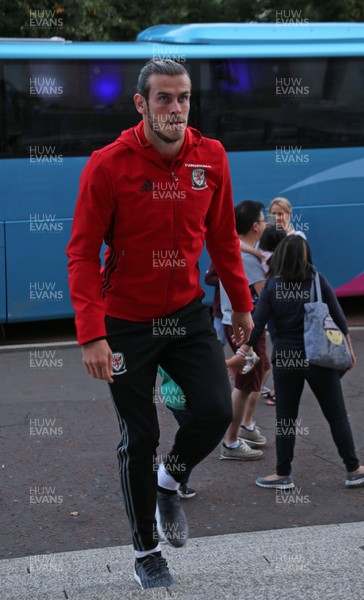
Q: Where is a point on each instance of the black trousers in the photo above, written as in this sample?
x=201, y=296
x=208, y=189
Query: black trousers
x=326, y=386
x=186, y=346
x=182, y=416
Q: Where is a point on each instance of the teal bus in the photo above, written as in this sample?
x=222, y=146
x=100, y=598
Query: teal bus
x=286, y=101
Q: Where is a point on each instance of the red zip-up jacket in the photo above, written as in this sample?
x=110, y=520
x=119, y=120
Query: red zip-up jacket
x=154, y=219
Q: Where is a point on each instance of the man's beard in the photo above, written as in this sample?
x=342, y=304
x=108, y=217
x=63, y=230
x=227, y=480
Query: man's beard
x=158, y=132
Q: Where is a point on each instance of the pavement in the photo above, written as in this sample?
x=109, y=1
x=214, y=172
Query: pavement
x=322, y=562
x=65, y=534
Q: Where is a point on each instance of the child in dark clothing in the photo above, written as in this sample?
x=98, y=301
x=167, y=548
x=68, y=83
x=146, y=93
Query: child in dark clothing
x=272, y=236
x=283, y=297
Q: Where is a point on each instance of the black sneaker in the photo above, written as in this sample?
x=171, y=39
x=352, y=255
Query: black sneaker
x=153, y=572
x=354, y=480
x=283, y=483
x=186, y=492
x=171, y=520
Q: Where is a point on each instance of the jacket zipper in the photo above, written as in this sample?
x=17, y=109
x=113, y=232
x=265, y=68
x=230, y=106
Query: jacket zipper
x=175, y=178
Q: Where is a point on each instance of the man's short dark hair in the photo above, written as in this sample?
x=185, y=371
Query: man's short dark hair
x=158, y=66
x=246, y=214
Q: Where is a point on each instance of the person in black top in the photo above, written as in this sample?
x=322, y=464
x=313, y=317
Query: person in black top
x=282, y=299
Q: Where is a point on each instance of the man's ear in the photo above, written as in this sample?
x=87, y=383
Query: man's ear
x=140, y=104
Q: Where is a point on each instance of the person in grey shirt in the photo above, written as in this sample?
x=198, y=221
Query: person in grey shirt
x=242, y=432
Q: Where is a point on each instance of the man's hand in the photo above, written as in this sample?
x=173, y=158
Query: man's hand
x=97, y=358
x=242, y=324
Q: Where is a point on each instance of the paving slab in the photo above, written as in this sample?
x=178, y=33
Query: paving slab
x=320, y=562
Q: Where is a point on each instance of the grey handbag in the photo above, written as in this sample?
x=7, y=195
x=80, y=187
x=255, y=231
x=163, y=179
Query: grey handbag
x=325, y=344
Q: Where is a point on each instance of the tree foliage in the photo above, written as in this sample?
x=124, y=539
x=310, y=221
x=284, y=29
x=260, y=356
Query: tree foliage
x=317, y=10
x=121, y=20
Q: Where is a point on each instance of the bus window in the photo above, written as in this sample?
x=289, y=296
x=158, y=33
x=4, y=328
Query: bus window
x=73, y=106
x=257, y=104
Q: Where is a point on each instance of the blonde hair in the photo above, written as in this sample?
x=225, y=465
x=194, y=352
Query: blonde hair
x=283, y=203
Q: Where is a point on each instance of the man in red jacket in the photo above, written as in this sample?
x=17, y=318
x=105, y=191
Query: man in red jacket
x=154, y=196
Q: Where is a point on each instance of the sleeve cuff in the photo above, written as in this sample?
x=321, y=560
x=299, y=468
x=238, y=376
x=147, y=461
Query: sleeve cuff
x=94, y=340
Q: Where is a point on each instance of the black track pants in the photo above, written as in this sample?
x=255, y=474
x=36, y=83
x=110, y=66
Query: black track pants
x=185, y=345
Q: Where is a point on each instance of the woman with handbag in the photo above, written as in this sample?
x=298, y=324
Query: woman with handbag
x=288, y=288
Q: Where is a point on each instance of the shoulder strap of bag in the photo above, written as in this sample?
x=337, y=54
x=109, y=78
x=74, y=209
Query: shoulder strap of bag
x=316, y=285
